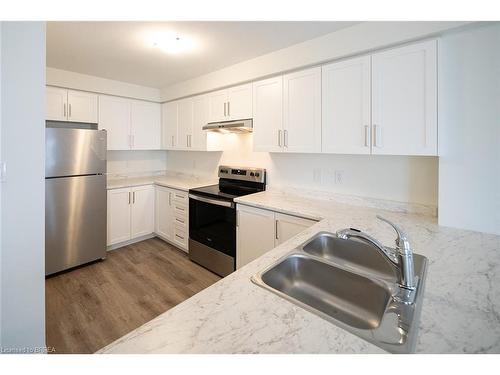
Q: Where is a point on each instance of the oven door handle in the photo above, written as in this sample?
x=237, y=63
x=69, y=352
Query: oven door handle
x=212, y=201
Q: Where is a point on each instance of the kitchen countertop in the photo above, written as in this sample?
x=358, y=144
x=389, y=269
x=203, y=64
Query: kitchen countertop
x=461, y=305
x=172, y=180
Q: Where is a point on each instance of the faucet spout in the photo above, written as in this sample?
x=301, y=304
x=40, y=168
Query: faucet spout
x=401, y=256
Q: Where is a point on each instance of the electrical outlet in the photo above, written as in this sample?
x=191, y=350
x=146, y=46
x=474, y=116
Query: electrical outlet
x=339, y=177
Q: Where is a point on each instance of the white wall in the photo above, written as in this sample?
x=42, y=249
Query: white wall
x=23, y=191
x=357, y=39
x=132, y=162
x=469, y=129
x=78, y=81
x=396, y=178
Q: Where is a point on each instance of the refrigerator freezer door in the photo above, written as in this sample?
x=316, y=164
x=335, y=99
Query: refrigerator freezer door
x=75, y=221
x=73, y=152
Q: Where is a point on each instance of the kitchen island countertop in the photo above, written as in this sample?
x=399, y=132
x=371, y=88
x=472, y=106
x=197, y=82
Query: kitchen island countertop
x=461, y=305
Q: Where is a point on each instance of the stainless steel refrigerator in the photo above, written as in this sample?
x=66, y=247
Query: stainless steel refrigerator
x=75, y=197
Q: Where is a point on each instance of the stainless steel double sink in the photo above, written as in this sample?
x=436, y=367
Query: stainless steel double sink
x=351, y=285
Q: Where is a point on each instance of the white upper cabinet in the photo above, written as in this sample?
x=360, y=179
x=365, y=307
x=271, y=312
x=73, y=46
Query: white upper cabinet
x=217, y=105
x=71, y=105
x=130, y=124
x=346, y=112
x=114, y=117
x=145, y=118
x=56, y=103
x=184, y=123
x=199, y=137
x=268, y=114
x=239, y=103
x=404, y=100
x=302, y=111
x=234, y=103
x=82, y=106
x=169, y=125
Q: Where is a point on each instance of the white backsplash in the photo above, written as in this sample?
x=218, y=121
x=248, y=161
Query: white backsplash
x=136, y=162
x=396, y=178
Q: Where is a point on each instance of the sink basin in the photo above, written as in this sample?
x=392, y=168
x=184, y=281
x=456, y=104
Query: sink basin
x=352, y=253
x=349, y=284
x=354, y=300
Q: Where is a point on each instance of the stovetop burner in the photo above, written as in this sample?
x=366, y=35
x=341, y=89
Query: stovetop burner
x=233, y=183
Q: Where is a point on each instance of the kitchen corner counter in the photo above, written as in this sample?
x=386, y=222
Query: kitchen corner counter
x=174, y=181
x=460, y=313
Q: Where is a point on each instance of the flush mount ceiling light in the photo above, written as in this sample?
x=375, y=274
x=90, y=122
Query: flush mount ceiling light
x=172, y=43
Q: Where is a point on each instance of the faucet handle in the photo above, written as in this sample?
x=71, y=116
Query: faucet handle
x=402, y=242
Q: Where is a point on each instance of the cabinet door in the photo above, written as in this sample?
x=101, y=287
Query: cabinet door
x=142, y=216
x=255, y=234
x=114, y=116
x=56, y=103
x=288, y=226
x=184, y=123
x=82, y=106
x=169, y=125
x=200, y=118
x=268, y=115
x=163, y=212
x=302, y=111
x=145, y=118
x=119, y=201
x=239, y=103
x=404, y=99
x=346, y=107
x=217, y=106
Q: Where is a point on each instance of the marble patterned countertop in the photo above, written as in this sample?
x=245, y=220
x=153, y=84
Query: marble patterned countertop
x=460, y=313
x=173, y=180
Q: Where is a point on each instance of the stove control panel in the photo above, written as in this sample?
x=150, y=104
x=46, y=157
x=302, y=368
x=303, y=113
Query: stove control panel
x=243, y=173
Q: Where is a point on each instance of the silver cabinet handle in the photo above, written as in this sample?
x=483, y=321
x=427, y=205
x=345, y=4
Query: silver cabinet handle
x=276, y=229
x=180, y=208
x=225, y=109
x=176, y=235
x=279, y=138
x=129, y=197
x=169, y=198
x=366, y=135
x=187, y=140
x=172, y=141
x=285, y=138
x=64, y=109
x=69, y=110
x=376, y=137
x=133, y=197
x=229, y=108
x=180, y=196
x=179, y=220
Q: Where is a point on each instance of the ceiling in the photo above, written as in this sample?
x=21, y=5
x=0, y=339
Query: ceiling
x=123, y=50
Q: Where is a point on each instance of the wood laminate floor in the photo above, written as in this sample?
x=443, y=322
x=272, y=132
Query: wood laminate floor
x=90, y=307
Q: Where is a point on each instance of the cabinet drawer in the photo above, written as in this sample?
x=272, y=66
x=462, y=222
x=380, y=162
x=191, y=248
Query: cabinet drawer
x=180, y=221
x=180, y=197
x=180, y=237
x=180, y=210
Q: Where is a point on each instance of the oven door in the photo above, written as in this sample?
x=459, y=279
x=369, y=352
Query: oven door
x=212, y=222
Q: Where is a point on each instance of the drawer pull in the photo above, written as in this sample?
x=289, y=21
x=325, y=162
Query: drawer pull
x=180, y=196
x=180, y=221
x=180, y=208
x=182, y=238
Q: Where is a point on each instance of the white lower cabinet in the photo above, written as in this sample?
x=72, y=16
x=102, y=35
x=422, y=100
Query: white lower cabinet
x=130, y=213
x=163, y=213
x=171, y=209
x=259, y=231
x=142, y=211
x=118, y=216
